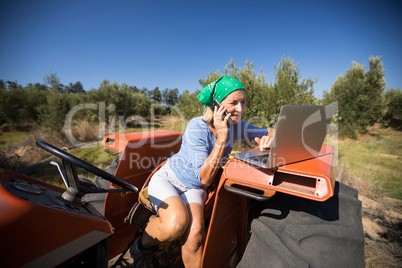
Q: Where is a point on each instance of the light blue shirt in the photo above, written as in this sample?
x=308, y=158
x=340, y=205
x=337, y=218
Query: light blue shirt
x=197, y=144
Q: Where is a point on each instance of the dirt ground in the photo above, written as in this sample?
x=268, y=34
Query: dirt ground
x=382, y=224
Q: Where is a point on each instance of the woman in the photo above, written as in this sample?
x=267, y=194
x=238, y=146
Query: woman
x=177, y=190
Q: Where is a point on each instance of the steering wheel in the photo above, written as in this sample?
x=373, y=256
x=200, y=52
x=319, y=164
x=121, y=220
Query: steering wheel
x=70, y=162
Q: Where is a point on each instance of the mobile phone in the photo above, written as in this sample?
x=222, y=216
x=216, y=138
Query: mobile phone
x=217, y=104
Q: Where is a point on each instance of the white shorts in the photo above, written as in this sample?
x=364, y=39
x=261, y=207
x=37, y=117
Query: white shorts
x=165, y=184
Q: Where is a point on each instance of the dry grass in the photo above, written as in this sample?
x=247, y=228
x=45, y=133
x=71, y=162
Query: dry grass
x=380, y=254
x=18, y=149
x=24, y=153
x=84, y=131
x=364, y=186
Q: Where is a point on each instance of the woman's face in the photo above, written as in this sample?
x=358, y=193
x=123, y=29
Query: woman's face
x=235, y=104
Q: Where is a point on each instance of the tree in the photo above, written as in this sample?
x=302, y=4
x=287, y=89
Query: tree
x=393, y=113
x=211, y=77
x=105, y=93
x=256, y=91
x=52, y=113
x=120, y=100
x=188, y=105
x=170, y=96
x=14, y=105
x=359, y=96
x=372, y=106
x=3, y=101
x=288, y=89
x=134, y=89
x=156, y=95
x=264, y=101
x=34, y=96
x=74, y=88
x=12, y=84
x=144, y=91
x=347, y=89
x=32, y=103
x=53, y=82
x=40, y=87
x=141, y=105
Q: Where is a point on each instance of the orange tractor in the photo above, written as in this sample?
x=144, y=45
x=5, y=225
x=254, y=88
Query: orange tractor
x=295, y=216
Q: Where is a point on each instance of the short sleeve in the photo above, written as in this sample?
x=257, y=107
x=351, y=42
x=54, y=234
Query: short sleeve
x=195, y=142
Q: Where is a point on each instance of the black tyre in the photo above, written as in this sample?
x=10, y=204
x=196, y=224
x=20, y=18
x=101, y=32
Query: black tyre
x=296, y=232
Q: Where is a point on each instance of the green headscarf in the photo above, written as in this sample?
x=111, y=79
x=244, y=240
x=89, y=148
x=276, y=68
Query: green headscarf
x=219, y=90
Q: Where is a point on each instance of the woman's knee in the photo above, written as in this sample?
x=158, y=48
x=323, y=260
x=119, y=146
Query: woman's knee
x=176, y=228
x=197, y=233
x=174, y=225
x=195, y=237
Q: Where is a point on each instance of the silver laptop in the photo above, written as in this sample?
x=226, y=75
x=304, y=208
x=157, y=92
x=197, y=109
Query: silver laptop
x=299, y=135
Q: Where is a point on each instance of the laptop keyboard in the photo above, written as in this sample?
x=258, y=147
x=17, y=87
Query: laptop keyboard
x=261, y=158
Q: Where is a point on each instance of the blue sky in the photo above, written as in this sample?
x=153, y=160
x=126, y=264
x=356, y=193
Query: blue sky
x=173, y=44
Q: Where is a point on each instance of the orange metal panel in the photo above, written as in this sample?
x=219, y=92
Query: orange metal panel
x=38, y=230
x=225, y=241
x=308, y=179
x=118, y=142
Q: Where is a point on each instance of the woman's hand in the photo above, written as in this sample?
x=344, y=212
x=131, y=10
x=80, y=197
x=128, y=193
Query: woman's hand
x=211, y=165
x=265, y=142
x=221, y=125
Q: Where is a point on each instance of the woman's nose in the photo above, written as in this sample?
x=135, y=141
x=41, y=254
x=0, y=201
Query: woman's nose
x=239, y=107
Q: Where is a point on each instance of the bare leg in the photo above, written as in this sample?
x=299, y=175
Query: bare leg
x=170, y=225
x=193, y=239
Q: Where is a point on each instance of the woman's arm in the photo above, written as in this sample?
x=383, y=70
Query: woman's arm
x=262, y=136
x=212, y=163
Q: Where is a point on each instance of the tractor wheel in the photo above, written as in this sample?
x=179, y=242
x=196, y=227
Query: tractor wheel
x=296, y=232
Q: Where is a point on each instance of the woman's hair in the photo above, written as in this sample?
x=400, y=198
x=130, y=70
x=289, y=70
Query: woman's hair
x=208, y=114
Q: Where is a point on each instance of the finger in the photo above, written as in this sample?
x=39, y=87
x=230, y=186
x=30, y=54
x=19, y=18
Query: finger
x=265, y=143
x=227, y=117
x=258, y=140
x=262, y=143
x=271, y=133
x=222, y=110
x=217, y=114
x=270, y=142
x=219, y=111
